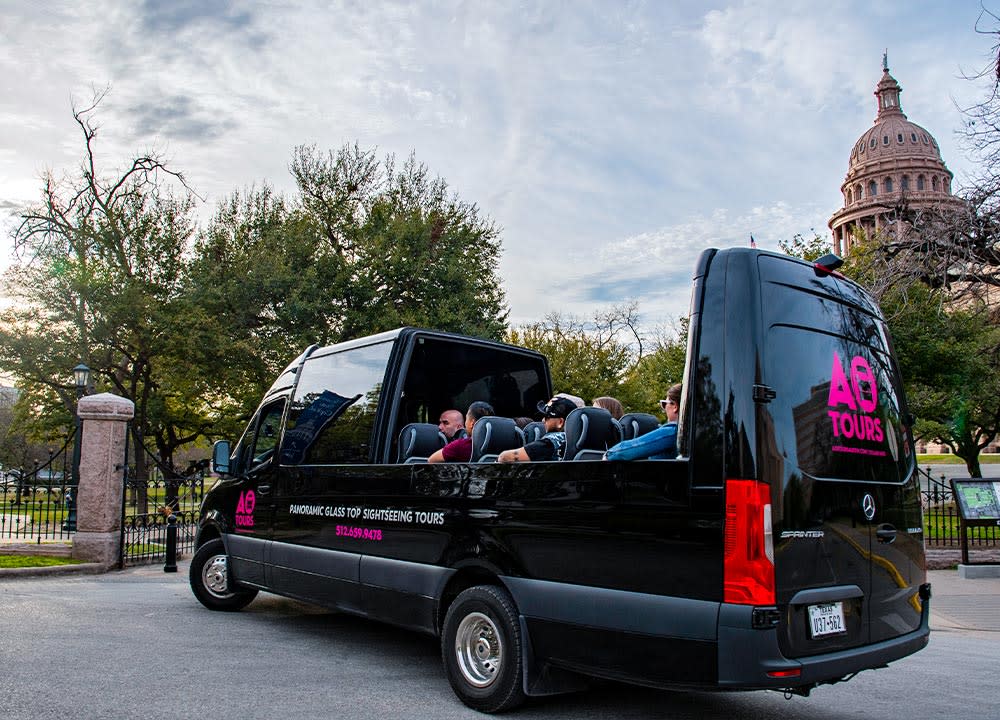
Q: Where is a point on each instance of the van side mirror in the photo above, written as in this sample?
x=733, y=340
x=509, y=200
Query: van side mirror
x=220, y=457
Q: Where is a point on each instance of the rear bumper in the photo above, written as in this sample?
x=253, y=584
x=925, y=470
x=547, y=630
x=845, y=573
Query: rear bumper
x=746, y=655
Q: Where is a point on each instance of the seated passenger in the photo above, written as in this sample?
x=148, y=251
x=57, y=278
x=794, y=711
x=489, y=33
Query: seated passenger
x=612, y=405
x=658, y=444
x=460, y=450
x=550, y=446
x=452, y=424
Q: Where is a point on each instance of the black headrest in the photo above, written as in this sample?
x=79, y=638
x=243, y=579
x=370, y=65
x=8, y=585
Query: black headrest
x=636, y=424
x=589, y=432
x=533, y=431
x=492, y=435
x=418, y=441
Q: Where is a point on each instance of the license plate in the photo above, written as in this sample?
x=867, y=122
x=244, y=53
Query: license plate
x=826, y=619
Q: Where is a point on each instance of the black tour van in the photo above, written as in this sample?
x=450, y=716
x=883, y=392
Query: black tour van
x=781, y=549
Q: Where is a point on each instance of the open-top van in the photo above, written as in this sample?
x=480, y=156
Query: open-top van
x=781, y=549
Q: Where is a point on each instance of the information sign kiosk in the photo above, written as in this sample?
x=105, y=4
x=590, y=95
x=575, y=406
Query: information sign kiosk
x=978, y=502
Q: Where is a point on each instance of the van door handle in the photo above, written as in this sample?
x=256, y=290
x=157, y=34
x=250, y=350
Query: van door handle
x=263, y=489
x=885, y=533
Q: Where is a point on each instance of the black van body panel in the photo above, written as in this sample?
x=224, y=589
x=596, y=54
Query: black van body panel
x=752, y=653
x=617, y=569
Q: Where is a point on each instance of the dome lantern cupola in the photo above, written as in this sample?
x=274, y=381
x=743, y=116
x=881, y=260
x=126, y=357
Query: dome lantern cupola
x=887, y=91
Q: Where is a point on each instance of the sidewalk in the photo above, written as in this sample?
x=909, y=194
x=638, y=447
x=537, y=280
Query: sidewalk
x=958, y=604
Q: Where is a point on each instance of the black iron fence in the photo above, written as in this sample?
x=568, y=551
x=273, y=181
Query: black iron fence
x=146, y=507
x=35, y=501
x=942, y=526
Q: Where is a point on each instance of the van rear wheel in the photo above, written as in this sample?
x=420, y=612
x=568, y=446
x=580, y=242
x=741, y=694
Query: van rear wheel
x=481, y=649
x=211, y=581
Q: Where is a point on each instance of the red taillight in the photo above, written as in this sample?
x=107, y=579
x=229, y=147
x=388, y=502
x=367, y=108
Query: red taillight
x=797, y=672
x=749, y=555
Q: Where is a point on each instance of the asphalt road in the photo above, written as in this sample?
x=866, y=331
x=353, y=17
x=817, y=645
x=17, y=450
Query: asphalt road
x=137, y=644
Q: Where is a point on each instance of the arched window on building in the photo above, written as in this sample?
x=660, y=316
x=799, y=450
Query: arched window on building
x=857, y=192
x=934, y=183
x=920, y=182
x=905, y=185
x=872, y=189
x=887, y=184
x=947, y=185
x=850, y=196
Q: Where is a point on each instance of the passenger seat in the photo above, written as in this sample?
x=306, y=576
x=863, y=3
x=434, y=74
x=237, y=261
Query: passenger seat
x=533, y=431
x=636, y=424
x=418, y=441
x=492, y=435
x=590, y=431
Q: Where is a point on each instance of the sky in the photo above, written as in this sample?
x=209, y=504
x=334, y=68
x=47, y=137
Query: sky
x=611, y=141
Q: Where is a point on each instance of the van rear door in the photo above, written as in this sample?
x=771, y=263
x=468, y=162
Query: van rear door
x=846, y=512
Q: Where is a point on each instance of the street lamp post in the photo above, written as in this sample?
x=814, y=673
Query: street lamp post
x=81, y=377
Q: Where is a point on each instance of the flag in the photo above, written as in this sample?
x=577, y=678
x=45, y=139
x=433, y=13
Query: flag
x=753, y=243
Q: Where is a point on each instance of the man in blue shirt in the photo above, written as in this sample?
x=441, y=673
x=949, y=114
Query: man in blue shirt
x=659, y=444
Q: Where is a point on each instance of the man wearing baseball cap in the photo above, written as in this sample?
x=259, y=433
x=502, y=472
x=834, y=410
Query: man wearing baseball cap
x=550, y=445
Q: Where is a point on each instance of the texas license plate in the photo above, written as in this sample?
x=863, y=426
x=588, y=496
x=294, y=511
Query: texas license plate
x=826, y=619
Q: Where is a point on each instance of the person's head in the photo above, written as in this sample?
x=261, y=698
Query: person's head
x=671, y=404
x=611, y=405
x=522, y=421
x=554, y=412
x=575, y=399
x=478, y=409
x=450, y=422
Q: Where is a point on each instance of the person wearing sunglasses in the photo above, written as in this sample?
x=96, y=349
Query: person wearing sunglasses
x=658, y=444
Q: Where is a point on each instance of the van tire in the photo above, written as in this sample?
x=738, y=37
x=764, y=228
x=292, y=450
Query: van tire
x=481, y=649
x=211, y=581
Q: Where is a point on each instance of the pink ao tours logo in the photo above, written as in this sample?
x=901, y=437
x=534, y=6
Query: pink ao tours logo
x=852, y=401
x=244, y=510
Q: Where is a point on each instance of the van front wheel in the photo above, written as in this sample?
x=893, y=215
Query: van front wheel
x=212, y=582
x=481, y=649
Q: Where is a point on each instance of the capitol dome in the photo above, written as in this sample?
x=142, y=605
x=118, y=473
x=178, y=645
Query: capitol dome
x=894, y=163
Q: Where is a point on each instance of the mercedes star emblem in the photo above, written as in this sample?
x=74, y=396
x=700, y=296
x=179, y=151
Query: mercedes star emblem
x=868, y=506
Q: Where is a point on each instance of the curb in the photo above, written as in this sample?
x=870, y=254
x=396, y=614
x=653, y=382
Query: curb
x=80, y=569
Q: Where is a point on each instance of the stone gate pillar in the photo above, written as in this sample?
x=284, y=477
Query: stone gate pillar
x=102, y=468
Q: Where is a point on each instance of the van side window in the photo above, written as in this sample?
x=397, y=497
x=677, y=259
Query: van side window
x=331, y=416
x=256, y=447
x=267, y=434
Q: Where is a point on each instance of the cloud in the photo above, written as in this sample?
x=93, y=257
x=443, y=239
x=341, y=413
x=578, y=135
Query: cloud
x=11, y=206
x=178, y=117
x=175, y=16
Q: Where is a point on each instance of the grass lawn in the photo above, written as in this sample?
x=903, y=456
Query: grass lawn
x=984, y=459
x=19, y=561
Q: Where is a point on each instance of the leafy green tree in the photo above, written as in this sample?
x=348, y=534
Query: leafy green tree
x=808, y=249
x=654, y=372
x=363, y=246
x=949, y=358
x=608, y=355
x=100, y=272
x=399, y=247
